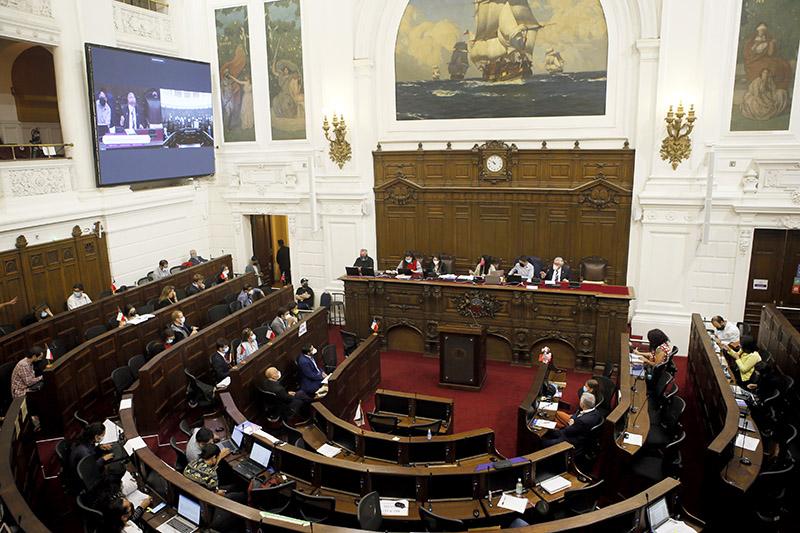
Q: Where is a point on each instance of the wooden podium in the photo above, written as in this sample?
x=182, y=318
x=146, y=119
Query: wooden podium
x=462, y=357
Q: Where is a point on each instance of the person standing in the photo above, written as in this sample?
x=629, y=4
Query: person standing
x=284, y=263
x=255, y=268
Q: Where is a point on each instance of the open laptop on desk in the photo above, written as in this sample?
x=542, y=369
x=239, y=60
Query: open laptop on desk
x=186, y=521
x=405, y=271
x=513, y=279
x=661, y=522
x=256, y=463
x=233, y=443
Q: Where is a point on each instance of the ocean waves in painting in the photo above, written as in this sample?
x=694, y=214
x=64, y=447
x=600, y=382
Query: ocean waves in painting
x=543, y=95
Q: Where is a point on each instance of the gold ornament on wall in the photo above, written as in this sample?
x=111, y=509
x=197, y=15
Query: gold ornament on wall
x=677, y=145
x=340, y=151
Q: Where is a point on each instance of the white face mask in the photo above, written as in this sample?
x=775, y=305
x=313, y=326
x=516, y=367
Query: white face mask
x=279, y=375
x=225, y=350
x=286, y=317
x=183, y=320
x=44, y=315
x=314, y=351
x=435, y=261
x=252, y=338
x=164, y=269
x=77, y=294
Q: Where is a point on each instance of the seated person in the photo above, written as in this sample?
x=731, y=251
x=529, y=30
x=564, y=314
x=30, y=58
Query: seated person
x=745, y=358
x=78, y=298
x=294, y=313
x=281, y=322
x=225, y=275
x=562, y=417
x=195, y=259
x=167, y=340
x=364, y=261
x=201, y=437
x=42, y=312
x=310, y=375
x=203, y=470
x=248, y=345
x=86, y=444
x=523, y=268
x=410, y=263
x=727, y=332
x=121, y=517
x=196, y=286
x=483, y=267
x=578, y=427
x=130, y=312
x=290, y=403
x=558, y=271
x=167, y=297
x=179, y=327
x=659, y=348
x=764, y=380
x=437, y=266
x=304, y=295
x=162, y=271
x=23, y=377
x=246, y=296
x=222, y=360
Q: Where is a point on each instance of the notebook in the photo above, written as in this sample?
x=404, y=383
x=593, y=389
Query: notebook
x=555, y=484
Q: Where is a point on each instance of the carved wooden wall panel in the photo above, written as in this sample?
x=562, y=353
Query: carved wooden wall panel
x=569, y=203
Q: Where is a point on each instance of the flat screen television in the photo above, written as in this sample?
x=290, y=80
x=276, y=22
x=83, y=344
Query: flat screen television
x=152, y=116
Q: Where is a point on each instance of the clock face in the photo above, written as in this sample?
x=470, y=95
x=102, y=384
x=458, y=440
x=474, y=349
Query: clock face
x=494, y=163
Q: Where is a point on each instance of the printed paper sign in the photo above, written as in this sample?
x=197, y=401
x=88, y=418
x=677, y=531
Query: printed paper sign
x=760, y=284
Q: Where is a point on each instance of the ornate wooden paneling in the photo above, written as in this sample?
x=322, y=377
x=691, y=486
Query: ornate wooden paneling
x=779, y=336
x=546, y=203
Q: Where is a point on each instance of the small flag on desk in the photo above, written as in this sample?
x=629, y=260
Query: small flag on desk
x=113, y=285
x=48, y=355
x=240, y=355
x=283, y=277
x=120, y=317
x=359, y=418
x=374, y=326
x=270, y=334
x=223, y=276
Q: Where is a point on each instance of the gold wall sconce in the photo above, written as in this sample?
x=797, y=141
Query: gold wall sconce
x=340, y=151
x=677, y=145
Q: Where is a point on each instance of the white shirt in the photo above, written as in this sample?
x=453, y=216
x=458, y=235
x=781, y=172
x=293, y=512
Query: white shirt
x=526, y=272
x=160, y=273
x=132, y=113
x=245, y=349
x=73, y=302
x=729, y=334
x=313, y=360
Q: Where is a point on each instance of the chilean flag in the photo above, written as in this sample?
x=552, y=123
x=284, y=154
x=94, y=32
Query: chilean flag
x=224, y=276
x=374, y=326
x=270, y=334
x=241, y=352
x=48, y=354
x=113, y=285
x=120, y=317
x=283, y=277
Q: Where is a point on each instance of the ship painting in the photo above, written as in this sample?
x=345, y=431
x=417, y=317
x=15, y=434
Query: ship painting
x=553, y=62
x=505, y=34
x=459, y=61
x=435, y=74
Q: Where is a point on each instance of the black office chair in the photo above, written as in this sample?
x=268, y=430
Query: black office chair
x=235, y=347
x=349, y=341
x=434, y=522
x=198, y=394
x=143, y=281
x=744, y=328
x=656, y=467
x=608, y=389
x=180, y=456
x=330, y=358
x=135, y=363
x=421, y=430
x=231, y=297
x=290, y=434
x=93, y=521
x=27, y=319
x=187, y=428
x=57, y=348
x=669, y=426
x=655, y=410
x=105, y=294
x=591, y=448
x=94, y=331
x=218, y=312
x=174, y=269
x=261, y=335
x=608, y=370
x=273, y=499
x=122, y=378
x=153, y=348
x=153, y=302
x=766, y=355
x=209, y=282
x=269, y=401
x=234, y=306
x=769, y=491
x=369, y=512
x=180, y=293
x=581, y=501
x=314, y=509
x=383, y=423
x=671, y=367
x=88, y=472
x=145, y=310
x=80, y=419
x=63, y=450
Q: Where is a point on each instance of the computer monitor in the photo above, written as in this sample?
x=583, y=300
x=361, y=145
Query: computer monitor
x=382, y=449
x=237, y=436
x=555, y=465
x=428, y=452
x=368, y=271
x=506, y=479
x=657, y=513
x=295, y=466
x=189, y=509
x=340, y=479
x=433, y=410
x=344, y=438
x=471, y=447
x=260, y=454
x=455, y=487
x=513, y=278
x=352, y=271
x=395, y=486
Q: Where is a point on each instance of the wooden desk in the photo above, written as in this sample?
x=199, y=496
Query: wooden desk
x=588, y=321
x=409, y=407
x=530, y=438
x=355, y=379
x=777, y=334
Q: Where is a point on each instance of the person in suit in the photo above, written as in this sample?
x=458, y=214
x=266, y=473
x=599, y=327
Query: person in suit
x=255, y=268
x=310, y=374
x=284, y=262
x=179, y=327
x=222, y=360
x=562, y=417
x=558, y=271
x=363, y=261
x=437, y=266
x=281, y=322
x=196, y=286
x=304, y=295
x=578, y=427
x=132, y=116
x=484, y=266
x=410, y=263
x=195, y=259
x=167, y=297
x=248, y=293
x=290, y=403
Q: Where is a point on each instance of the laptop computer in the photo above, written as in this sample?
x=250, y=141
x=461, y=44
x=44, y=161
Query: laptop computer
x=405, y=271
x=186, y=521
x=233, y=443
x=513, y=278
x=352, y=271
x=368, y=271
x=256, y=463
x=493, y=278
x=661, y=522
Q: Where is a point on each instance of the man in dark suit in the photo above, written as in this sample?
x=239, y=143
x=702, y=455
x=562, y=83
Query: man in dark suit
x=132, y=116
x=578, y=427
x=289, y=402
x=558, y=271
x=310, y=374
x=222, y=360
x=179, y=327
x=284, y=263
x=196, y=286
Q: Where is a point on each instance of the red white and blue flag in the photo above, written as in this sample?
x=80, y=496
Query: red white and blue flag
x=270, y=334
x=113, y=285
x=48, y=354
x=374, y=326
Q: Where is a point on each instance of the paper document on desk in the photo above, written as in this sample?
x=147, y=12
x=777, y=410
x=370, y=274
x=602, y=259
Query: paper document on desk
x=388, y=508
x=633, y=439
x=555, y=484
x=548, y=406
x=513, y=503
x=134, y=444
x=746, y=425
x=140, y=318
x=136, y=497
x=265, y=435
x=112, y=432
x=673, y=526
x=129, y=485
x=402, y=276
x=329, y=451
x=325, y=380
x=465, y=278
x=126, y=403
x=532, y=287
x=547, y=424
x=748, y=443
x=447, y=276
x=224, y=383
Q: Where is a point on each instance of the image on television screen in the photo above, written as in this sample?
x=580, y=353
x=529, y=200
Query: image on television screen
x=152, y=116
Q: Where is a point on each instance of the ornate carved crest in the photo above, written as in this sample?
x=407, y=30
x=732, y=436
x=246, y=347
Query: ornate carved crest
x=401, y=194
x=477, y=304
x=599, y=197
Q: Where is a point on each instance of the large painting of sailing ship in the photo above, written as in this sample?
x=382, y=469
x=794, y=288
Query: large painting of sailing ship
x=501, y=58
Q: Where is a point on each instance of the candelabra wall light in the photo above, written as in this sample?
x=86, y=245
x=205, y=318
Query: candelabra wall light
x=339, y=151
x=677, y=145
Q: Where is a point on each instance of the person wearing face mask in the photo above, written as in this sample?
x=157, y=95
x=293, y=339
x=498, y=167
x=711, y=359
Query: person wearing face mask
x=167, y=297
x=130, y=312
x=562, y=417
x=196, y=286
x=248, y=293
x=78, y=297
x=437, y=266
x=162, y=271
x=558, y=271
x=483, y=267
x=290, y=403
x=104, y=123
x=255, y=268
x=281, y=322
x=523, y=268
x=311, y=375
x=179, y=327
x=43, y=312
x=195, y=259
x=248, y=345
x=225, y=275
x=304, y=295
x=23, y=377
x=294, y=313
x=121, y=516
x=87, y=445
x=222, y=360
x=410, y=263
x=364, y=261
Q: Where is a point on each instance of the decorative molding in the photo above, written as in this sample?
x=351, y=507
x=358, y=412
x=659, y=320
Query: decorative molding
x=263, y=174
x=750, y=181
x=476, y=304
x=745, y=238
x=142, y=23
x=34, y=7
x=400, y=194
x=36, y=181
x=789, y=221
x=796, y=196
x=16, y=21
x=341, y=209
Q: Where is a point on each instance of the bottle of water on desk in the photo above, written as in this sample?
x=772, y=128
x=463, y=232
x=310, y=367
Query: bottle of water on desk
x=519, y=488
x=429, y=434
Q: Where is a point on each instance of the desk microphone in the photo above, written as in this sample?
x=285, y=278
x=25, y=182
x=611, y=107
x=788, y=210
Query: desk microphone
x=742, y=459
x=640, y=411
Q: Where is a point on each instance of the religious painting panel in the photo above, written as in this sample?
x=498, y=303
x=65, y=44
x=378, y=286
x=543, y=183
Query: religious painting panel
x=235, y=78
x=286, y=80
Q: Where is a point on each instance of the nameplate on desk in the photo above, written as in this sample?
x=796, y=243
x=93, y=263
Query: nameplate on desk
x=126, y=403
x=134, y=444
x=390, y=507
x=282, y=518
x=302, y=329
x=746, y=425
x=532, y=287
x=548, y=406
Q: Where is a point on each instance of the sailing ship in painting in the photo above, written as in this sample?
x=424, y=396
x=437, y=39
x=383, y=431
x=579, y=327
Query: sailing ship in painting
x=435, y=73
x=459, y=61
x=505, y=34
x=553, y=62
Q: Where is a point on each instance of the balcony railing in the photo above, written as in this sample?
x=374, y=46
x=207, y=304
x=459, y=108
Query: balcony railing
x=14, y=152
x=152, y=5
